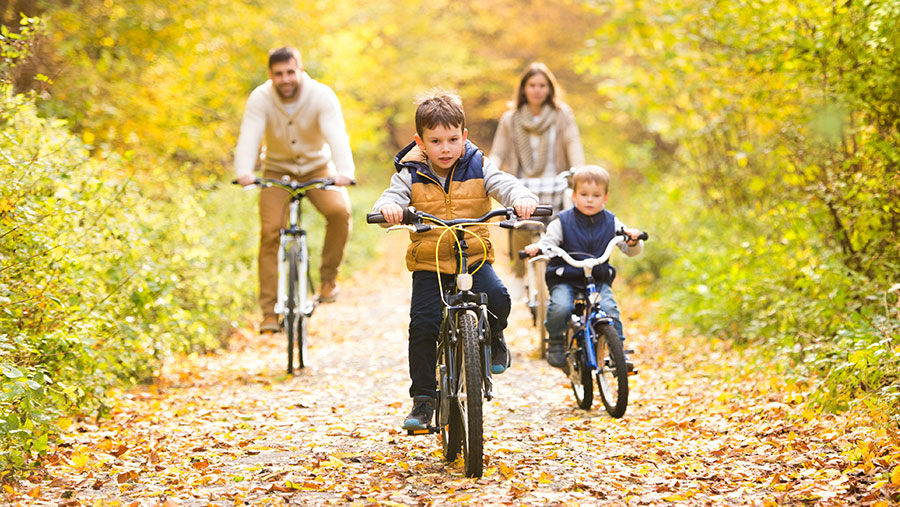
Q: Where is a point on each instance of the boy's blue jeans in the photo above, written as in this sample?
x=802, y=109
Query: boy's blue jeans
x=426, y=312
x=562, y=303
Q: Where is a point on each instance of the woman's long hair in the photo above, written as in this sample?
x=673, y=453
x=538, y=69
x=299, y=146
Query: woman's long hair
x=554, y=98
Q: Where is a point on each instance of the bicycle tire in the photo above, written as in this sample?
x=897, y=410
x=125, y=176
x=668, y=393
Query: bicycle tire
x=291, y=309
x=612, y=373
x=447, y=414
x=540, y=287
x=580, y=377
x=469, y=395
x=302, y=301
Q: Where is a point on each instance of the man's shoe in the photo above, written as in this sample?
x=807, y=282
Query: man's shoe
x=329, y=292
x=500, y=357
x=269, y=325
x=556, y=352
x=420, y=416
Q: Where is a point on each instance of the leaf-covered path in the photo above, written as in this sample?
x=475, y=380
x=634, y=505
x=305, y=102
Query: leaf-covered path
x=701, y=428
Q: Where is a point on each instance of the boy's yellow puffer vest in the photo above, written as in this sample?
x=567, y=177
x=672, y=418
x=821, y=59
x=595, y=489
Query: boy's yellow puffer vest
x=462, y=196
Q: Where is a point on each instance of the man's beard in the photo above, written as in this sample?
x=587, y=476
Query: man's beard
x=292, y=92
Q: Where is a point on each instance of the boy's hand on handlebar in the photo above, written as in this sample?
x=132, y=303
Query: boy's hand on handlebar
x=532, y=249
x=392, y=213
x=525, y=207
x=246, y=179
x=633, y=236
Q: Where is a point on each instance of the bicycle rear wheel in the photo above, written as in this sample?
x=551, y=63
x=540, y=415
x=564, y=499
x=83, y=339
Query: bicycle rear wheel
x=446, y=413
x=303, y=298
x=580, y=376
x=612, y=373
x=469, y=395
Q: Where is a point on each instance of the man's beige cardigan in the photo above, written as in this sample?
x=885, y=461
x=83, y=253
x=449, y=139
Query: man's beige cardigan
x=313, y=137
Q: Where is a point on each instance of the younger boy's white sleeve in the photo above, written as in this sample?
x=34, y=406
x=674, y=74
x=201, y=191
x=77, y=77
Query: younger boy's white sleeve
x=630, y=251
x=553, y=236
x=503, y=186
x=399, y=192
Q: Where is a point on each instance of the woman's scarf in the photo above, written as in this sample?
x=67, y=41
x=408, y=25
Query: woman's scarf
x=524, y=126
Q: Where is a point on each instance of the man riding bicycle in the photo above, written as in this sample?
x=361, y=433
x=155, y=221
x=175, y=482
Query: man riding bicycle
x=294, y=117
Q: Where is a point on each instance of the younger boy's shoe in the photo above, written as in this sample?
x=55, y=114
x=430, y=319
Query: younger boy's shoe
x=269, y=325
x=556, y=352
x=500, y=357
x=420, y=416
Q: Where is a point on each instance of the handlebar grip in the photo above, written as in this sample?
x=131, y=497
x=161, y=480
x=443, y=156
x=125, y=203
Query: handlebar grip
x=523, y=254
x=375, y=218
x=543, y=210
x=644, y=236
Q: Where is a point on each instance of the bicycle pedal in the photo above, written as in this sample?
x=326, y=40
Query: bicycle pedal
x=427, y=431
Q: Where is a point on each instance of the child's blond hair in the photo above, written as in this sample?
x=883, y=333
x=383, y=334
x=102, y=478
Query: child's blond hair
x=590, y=173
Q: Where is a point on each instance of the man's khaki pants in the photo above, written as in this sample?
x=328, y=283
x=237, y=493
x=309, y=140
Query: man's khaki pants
x=333, y=204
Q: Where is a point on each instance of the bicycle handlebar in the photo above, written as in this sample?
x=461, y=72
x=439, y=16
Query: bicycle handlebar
x=414, y=218
x=291, y=185
x=620, y=237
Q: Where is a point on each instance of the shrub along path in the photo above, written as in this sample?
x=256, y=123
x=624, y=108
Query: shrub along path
x=702, y=427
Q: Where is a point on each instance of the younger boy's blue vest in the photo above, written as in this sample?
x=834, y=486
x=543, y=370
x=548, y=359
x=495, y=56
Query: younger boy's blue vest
x=588, y=236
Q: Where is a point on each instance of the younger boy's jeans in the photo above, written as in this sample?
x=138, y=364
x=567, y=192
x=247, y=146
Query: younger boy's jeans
x=562, y=302
x=426, y=312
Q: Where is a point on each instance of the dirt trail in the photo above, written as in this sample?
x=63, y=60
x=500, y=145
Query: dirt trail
x=229, y=428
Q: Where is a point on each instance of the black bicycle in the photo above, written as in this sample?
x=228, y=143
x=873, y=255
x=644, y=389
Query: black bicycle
x=296, y=294
x=593, y=345
x=464, y=351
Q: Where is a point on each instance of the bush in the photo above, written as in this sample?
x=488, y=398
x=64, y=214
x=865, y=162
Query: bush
x=103, y=277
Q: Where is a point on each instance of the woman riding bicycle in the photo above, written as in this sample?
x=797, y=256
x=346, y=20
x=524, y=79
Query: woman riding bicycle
x=535, y=141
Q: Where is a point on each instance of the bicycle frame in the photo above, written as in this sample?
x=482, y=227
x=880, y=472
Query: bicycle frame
x=294, y=233
x=295, y=300
x=460, y=298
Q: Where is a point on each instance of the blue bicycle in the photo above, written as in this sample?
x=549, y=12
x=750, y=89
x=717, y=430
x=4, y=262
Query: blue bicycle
x=593, y=346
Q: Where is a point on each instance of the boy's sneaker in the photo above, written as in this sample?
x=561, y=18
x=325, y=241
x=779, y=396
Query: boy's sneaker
x=629, y=366
x=556, y=352
x=420, y=416
x=500, y=356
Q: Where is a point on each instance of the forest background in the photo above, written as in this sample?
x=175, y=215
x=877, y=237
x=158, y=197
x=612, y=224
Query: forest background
x=756, y=141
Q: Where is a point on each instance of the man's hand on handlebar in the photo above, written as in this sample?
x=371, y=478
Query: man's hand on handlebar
x=532, y=249
x=246, y=179
x=342, y=181
x=525, y=207
x=393, y=213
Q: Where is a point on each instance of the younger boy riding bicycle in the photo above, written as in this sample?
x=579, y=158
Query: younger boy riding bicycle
x=587, y=228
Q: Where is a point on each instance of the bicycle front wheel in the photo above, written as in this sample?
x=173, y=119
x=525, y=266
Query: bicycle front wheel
x=580, y=376
x=294, y=318
x=612, y=373
x=469, y=394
